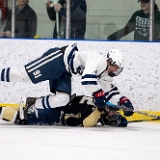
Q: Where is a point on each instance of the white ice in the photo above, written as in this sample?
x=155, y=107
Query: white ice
x=139, y=141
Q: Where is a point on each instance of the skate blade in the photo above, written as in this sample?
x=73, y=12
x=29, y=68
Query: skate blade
x=21, y=108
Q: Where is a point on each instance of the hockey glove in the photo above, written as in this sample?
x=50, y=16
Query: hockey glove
x=99, y=99
x=126, y=102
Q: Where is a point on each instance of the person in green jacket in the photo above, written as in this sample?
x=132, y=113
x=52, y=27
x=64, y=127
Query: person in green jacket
x=139, y=23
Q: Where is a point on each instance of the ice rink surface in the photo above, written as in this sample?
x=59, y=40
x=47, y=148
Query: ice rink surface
x=139, y=141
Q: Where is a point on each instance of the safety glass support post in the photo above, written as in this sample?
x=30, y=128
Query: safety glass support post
x=68, y=19
x=151, y=27
x=13, y=19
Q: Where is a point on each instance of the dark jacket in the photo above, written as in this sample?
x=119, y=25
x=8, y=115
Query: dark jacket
x=139, y=23
x=78, y=18
x=25, y=23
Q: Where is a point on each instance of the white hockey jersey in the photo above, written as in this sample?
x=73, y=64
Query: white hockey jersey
x=91, y=65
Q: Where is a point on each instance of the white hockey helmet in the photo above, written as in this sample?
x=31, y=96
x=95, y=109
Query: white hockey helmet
x=115, y=57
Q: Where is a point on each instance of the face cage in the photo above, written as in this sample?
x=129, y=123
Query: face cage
x=119, y=70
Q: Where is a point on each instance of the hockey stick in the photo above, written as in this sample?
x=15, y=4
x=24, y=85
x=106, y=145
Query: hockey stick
x=139, y=112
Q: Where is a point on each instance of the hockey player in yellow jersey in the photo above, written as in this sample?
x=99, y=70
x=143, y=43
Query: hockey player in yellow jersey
x=80, y=111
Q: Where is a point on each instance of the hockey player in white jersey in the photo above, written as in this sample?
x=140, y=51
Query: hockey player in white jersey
x=58, y=64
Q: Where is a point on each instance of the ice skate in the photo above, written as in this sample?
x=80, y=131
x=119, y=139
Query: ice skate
x=30, y=107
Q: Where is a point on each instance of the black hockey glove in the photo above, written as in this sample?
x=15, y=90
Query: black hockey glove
x=124, y=101
x=99, y=99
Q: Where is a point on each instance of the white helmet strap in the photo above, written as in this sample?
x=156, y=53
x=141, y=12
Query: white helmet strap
x=111, y=62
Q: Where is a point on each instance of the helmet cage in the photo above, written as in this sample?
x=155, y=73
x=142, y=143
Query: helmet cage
x=115, y=73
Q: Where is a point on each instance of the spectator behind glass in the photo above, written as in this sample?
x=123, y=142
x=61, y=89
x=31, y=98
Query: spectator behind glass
x=139, y=23
x=25, y=21
x=78, y=18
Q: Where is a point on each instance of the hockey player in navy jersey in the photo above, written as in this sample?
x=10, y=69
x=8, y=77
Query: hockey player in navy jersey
x=58, y=64
x=80, y=111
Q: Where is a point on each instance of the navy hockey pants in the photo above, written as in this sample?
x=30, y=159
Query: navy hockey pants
x=50, y=66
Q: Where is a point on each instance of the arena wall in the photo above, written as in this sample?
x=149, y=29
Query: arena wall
x=139, y=80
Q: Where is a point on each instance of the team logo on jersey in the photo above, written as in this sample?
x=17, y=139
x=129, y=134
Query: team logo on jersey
x=80, y=69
